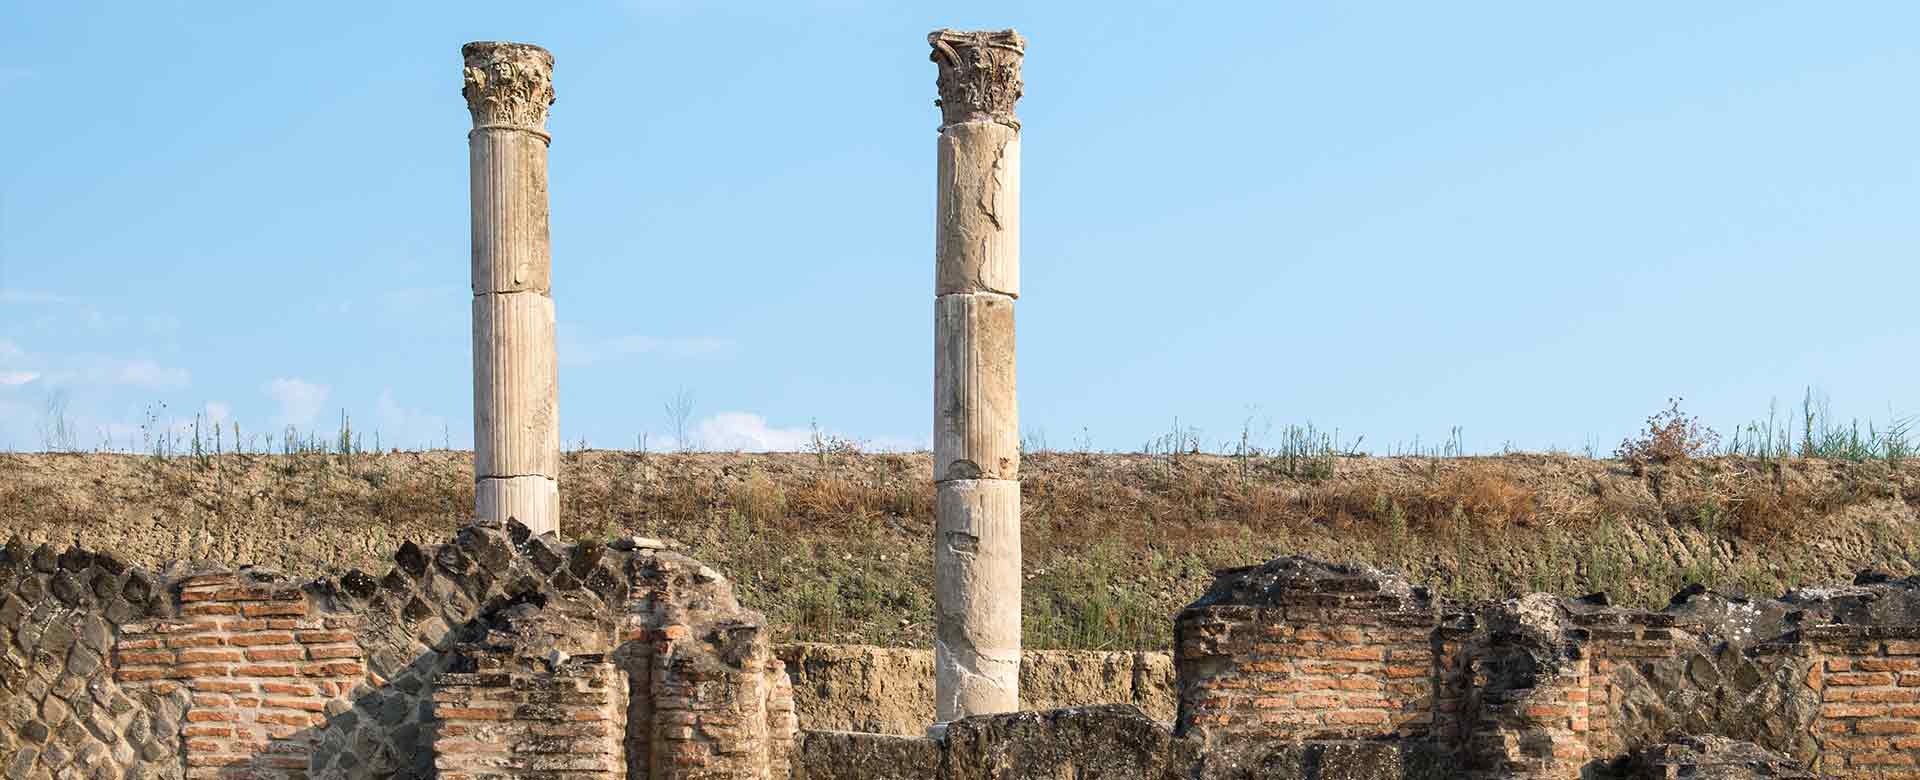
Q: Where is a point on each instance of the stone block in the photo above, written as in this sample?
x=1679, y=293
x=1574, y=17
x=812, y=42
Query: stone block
x=1111, y=742
x=976, y=430
x=977, y=229
x=977, y=583
x=840, y=755
x=511, y=244
x=515, y=395
x=532, y=500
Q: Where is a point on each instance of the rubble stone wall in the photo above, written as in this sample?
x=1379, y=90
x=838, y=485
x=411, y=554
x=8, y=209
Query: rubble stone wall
x=1299, y=651
x=502, y=654
x=112, y=672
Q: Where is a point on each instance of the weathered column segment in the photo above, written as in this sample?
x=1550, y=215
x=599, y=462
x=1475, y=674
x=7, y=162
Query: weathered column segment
x=516, y=432
x=976, y=444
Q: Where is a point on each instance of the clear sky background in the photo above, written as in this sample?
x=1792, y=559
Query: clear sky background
x=1535, y=221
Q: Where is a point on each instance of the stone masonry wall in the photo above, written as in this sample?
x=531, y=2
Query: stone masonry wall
x=113, y=672
x=63, y=710
x=1299, y=651
x=502, y=654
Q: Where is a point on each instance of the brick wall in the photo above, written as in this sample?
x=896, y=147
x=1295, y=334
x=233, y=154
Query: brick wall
x=719, y=720
x=261, y=669
x=1305, y=650
x=516, y=718
x=1530, y=725
x=108, y=672
x=1868, y=680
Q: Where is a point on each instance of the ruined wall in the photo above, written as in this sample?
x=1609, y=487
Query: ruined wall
x=111, y=671
x=1826, y=680
x=889, y=690
x=1302, y=650
x=62, y=707
x=501, y=654
x=1868, y=683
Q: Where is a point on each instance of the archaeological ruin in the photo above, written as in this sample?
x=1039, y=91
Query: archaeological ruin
x=516, y=398
x=976, y=430
x=507, y=652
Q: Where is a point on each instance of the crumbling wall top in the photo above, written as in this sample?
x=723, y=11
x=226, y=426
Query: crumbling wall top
x=1308, y=582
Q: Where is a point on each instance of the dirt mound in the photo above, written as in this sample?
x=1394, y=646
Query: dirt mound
x=834, y=547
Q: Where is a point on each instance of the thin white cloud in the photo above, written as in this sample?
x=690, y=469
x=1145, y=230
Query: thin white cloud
x=91, y=370
x=584, y=353
x=400, y=426
x=299, y=400
x=219, y=411
x=896, y=444
x=144, y=373
x=18, y=367
x=749, y=432
x=17, y=295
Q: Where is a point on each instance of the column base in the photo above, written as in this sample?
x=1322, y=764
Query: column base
x=534, y=501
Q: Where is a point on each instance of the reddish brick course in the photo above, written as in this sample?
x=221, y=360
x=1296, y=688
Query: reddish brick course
x=1320, y=652
x=265, y=712
x=1869, y=724
x=515, y=718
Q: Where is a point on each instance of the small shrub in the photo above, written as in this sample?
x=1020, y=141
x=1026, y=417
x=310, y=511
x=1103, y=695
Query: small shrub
x=1671, y=436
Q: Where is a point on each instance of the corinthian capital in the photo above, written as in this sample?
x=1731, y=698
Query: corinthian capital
x=508, y=84
x=979, y=75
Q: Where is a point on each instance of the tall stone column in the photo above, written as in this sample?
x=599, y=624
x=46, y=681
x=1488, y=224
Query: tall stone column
x=976, y=439
x=516, y=432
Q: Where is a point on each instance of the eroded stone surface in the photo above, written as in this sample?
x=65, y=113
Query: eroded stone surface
x=979, y=74
x=976, y=407
x=977, y=217
x=162, y=674
x=976, y=654
x=976, y=416
x=1714, y=758
x=508, y=84
x=516, y=395
x=889, y=690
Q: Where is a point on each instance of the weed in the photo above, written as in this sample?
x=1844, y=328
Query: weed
x=1305, y=453
x=679, y=417
x=57, y=433
x=1670, y=437
x=824, y=445
x=1176, y=441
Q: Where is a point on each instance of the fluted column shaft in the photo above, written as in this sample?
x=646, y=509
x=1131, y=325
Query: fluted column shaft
x=976, y=439
x=516, y=431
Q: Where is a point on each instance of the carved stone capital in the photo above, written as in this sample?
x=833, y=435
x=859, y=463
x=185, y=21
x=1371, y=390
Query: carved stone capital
x=979, y=75
x=508, y=84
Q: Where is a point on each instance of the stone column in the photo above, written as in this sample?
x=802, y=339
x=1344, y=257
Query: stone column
x=516, y=432
x=976, y=439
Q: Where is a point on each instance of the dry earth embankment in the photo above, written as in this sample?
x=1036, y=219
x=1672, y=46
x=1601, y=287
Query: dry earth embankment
x=834, y=547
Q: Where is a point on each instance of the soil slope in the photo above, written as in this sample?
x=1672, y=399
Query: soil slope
x=835, y=547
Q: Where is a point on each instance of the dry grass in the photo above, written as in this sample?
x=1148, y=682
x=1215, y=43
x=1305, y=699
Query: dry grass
x=837, y=548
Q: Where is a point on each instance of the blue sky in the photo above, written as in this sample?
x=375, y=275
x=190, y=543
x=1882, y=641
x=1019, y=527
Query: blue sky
x=1533, y=221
